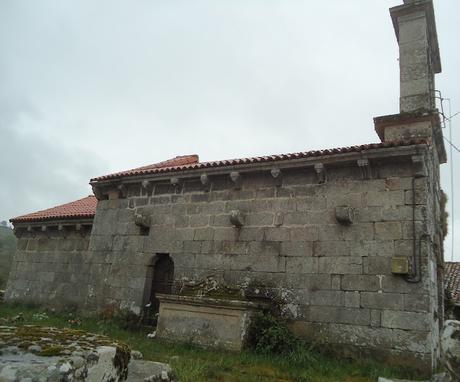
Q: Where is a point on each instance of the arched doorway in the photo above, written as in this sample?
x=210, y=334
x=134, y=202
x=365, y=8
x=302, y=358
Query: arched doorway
x=160, y=278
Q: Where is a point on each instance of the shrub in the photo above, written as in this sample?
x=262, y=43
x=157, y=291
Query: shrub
x=108, y=312
x=269, y=334
x=128, y=320
x=123, y=318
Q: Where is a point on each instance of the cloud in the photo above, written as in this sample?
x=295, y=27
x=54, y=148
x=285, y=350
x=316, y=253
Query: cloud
x=37, y=173
x=93, y=87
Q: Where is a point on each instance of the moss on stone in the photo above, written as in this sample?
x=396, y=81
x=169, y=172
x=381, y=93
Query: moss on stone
x=53, y=350
x=56, y=342
x=210, y=288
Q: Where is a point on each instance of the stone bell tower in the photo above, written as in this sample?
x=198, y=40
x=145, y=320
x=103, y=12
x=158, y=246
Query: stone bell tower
x=419, y=61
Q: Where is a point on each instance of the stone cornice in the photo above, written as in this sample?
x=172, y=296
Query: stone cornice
x=334, y=160
x=59, y=225
x=431, y=117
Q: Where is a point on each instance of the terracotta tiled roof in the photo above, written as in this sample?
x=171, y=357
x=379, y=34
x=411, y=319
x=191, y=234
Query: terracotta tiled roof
x=183, y=160
x=192, y=163
x=79, y=209
x=452, y=281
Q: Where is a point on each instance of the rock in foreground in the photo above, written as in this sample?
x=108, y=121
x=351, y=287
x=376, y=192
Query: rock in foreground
x=51, y=354
x=148, y=371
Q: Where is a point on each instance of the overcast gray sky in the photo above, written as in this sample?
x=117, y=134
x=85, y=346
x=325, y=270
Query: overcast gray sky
x=90, y=87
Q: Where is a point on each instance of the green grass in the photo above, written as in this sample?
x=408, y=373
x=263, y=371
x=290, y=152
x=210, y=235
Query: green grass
x=193, y=364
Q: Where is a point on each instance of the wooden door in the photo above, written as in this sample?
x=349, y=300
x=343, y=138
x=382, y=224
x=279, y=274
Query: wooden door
x=162, y=282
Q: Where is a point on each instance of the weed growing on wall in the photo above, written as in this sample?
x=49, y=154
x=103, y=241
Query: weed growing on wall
x=270, y=335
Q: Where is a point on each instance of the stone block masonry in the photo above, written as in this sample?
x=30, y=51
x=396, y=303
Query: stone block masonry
x=313, y=233
x=51, y=267
x=330, y=279
x=323, y=274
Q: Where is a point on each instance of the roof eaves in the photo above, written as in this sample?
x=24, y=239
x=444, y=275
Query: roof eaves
x=84, y=208
x=291, y=157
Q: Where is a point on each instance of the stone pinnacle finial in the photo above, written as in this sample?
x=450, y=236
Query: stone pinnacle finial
x=419, y=60
x=415, y=28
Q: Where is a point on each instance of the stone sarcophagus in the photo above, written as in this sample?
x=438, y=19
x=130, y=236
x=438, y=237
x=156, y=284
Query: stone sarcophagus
x=205, y=321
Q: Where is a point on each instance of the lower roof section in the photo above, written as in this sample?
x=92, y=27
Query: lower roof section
x=84, y=208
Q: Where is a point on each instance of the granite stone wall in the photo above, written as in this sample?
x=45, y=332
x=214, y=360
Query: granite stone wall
x=332, y=281
x=50, y=268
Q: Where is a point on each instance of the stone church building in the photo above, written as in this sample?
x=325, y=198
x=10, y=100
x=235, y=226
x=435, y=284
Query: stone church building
x=346, y=242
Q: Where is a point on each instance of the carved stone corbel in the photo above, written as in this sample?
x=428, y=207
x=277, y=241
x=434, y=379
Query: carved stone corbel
x=123, y=190
x=279, y=219
x=235, y=176
x=176, y=183
x=142, y=220
x=345, y=215
x=420, y=169
x=236, y=218
x=205, y=181
x=320, y=172
x=277, y=176
x=18, y=232
x=204, y=178
x=147, y=186
x=98, y=193
x=365, y=166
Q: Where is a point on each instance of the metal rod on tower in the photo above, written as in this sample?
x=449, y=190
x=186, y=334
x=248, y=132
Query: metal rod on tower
x=451, y=181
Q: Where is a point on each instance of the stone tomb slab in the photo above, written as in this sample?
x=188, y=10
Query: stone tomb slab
x=206, y=321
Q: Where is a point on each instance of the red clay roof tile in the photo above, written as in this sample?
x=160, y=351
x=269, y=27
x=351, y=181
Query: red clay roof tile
x=86, y=207
x=182, y=160
x=79, y=209
x=191, y=162
x=452, y=281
